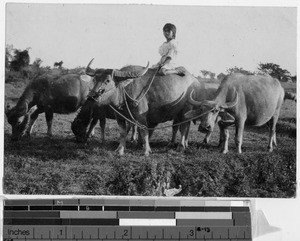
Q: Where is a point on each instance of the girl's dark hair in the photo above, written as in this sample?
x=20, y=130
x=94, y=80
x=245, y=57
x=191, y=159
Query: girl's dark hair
x=170, y=27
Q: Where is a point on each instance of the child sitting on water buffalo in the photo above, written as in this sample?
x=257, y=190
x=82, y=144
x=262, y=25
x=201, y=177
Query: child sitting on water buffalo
x=168, y=51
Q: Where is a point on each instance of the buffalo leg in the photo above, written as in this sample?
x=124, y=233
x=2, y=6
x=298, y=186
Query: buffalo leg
x=225, y=134
x=49, y=119
x=222, y=135
x=239, y=135
x=207, y=137
x=91, y=130
x=139, y=137
x=32, y=121
x=145, y=135
x=123, y=134
x=151, y=131
x=134, y=134
x=146, y=145
x=102, y=127
x=272, y=133
x=175, y=129
x=184, y=130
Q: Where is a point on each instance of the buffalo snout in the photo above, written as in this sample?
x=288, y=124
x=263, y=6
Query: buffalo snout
x=205, y=128
x=79, y=131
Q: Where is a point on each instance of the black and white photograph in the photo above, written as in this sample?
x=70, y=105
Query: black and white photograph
x=160, y=100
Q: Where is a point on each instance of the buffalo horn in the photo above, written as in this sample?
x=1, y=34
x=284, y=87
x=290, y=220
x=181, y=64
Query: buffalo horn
x=199, y=103
x=231, y=103
x=89, y=71
x=26, y=117
x=130, y=74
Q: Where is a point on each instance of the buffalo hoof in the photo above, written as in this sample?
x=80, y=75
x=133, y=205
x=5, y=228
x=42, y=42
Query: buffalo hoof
x=224, y=151
x=205, y=142
x=27, y=135
x=147, y=152
x=171, y=144
x=180, y=148
x=188, y=151
x=135, y=142
x=202, y=145
x=120, y=150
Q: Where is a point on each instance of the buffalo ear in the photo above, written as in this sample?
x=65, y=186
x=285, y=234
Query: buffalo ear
x=85, y=78
x=7, y=109
x=226, y=117
x=123, y=83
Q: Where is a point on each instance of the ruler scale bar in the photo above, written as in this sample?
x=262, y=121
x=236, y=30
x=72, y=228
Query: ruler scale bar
x=126, y=219
x=135, y=232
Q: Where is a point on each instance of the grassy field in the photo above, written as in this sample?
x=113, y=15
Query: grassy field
x=59, y=165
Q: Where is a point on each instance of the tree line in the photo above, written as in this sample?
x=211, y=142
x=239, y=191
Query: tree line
x=271, y=69
x=16, y=60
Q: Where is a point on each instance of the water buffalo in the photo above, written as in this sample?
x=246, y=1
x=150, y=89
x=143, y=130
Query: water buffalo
x=100, y=113
x=58, y=64
x=140, y=100
x=290, y=96
x=203, y=91
x=51, y=94
x=241, y=100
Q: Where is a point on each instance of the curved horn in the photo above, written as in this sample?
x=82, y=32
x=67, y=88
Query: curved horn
x=231, y=103
x=199, y=103
x=131, y=74
x=89, y=71
x=26, y=118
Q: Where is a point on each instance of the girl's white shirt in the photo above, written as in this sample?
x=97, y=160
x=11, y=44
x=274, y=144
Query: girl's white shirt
x=168, y=49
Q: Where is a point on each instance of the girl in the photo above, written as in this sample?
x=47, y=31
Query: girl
x=168, y=51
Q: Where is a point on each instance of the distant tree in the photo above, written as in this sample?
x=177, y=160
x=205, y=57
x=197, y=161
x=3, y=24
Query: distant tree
x=212, y=75
x=275, y=71
x=205, y=73
x=8, y=54
x=208, y=74
x=20, y=59
x=236, y=69
x=37, y=62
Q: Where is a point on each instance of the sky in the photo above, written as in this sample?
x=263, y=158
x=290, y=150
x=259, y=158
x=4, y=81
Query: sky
x=212, y=38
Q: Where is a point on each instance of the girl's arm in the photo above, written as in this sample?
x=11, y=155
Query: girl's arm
x=166, y=59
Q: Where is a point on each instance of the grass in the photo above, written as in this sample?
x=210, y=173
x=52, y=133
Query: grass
x=59, y=165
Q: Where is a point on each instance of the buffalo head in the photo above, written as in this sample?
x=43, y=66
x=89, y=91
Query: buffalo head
x=18, y=118
x=209, y=111
x=79, y=130
x=83, y=119
x=106, y=80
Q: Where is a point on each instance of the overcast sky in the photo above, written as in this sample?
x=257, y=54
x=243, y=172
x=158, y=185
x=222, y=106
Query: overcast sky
x=211, y=38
